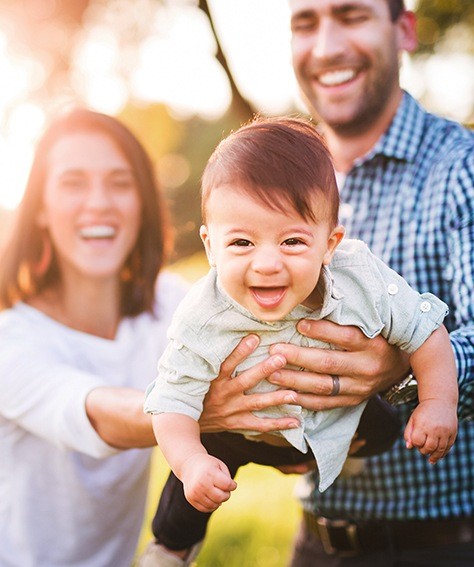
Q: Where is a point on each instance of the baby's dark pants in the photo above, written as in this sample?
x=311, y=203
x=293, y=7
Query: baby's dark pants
x=178, y=525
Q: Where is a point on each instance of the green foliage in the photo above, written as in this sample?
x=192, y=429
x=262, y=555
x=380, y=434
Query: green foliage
x=436, y=18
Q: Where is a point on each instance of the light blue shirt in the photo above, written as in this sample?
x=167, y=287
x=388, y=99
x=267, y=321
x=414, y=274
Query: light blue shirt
x=357, y=290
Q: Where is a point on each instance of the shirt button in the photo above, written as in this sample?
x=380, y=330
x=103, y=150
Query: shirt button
x=425, y=306
x=392, y=289
x=178, y=345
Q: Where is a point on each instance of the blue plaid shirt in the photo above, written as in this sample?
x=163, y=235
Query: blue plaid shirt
x=411, y=199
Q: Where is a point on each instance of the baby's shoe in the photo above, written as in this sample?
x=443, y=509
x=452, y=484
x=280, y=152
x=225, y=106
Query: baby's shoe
x=155, y=555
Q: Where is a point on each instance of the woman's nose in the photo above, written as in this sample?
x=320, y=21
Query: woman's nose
x=98, y=196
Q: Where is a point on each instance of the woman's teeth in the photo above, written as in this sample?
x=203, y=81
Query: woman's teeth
x=97, y=231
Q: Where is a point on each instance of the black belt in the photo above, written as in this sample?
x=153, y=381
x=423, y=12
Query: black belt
x=347, y=538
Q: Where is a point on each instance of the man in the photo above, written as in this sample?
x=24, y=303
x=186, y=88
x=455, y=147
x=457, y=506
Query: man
x=407, y=186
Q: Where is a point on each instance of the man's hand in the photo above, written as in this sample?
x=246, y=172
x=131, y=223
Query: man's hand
x=364, y=366
x=227, y=407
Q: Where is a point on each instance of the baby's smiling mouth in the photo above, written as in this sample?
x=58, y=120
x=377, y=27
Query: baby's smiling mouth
x=268, y=296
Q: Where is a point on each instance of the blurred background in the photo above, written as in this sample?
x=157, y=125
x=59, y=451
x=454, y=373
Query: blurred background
x=181, y=74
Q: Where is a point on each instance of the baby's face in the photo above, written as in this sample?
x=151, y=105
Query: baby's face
x=267, y=260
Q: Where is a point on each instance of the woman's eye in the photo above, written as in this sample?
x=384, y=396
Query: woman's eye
x=241, y=242
x=72, y=183
x=120, y=182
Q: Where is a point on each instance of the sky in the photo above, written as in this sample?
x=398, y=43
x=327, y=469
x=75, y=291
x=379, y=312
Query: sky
x=175, y=64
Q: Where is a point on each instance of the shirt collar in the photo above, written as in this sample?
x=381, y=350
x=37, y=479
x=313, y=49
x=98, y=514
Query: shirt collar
x=404, y=135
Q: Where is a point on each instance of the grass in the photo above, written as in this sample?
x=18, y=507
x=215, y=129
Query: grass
x=255, y=528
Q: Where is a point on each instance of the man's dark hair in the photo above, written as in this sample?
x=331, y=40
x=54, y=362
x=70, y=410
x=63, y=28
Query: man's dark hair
x=396, y=7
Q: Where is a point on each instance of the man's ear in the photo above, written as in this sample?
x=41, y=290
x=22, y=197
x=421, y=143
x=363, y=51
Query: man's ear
x=337, y=234
x=406, y=31
x=204, y=234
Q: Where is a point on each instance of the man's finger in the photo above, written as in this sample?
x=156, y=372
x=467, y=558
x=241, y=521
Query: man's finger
x=245, y=347
x=252, y=376
x=344, y=337
x=319, y=403
x=265, y=424
x=321, y=361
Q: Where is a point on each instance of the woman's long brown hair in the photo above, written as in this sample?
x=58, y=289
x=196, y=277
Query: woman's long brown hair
x=23, y=248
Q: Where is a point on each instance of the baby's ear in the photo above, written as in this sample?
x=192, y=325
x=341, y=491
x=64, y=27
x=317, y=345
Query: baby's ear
x=204, y=233
x=337, y=234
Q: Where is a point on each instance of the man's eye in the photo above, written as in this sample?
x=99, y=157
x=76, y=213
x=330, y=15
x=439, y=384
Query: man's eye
x=302, y=26
x=241, y=242
x=354, y=17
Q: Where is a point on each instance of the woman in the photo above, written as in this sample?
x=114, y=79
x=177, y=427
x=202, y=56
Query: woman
x=83, y=323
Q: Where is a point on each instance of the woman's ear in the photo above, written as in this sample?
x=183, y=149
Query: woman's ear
x=337, y=234
x=204, y=234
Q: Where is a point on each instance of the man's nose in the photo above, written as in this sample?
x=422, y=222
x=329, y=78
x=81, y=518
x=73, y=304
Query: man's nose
x=328, y=42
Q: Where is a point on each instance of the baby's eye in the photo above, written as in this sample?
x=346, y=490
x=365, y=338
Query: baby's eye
x=293, y=242
x=241, y=242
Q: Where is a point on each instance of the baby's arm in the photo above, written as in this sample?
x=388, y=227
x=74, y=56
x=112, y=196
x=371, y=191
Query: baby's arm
x=432, y=426
x=207, y=481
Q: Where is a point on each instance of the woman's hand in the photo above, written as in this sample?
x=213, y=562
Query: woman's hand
x=364, y=366
x=227, y=407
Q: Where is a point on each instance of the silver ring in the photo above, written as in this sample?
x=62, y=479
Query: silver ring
x=336, y=386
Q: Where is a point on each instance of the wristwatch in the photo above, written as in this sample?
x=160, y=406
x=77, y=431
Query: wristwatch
x=403, y=392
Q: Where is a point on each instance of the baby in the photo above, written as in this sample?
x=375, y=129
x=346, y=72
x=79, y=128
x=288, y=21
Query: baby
x=277, y=255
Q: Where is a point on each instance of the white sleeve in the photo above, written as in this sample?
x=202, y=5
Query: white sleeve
x=47, y=397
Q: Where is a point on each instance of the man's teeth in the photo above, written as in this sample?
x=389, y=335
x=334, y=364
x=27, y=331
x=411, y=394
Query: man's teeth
x=98, y=231
x=333, y=78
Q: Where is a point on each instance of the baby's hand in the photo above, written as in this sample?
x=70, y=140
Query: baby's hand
x=207, y=482
x=432, y=429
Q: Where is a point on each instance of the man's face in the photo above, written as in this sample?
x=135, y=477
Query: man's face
x=346, y=58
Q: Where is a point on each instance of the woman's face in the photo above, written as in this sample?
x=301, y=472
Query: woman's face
x=91, y=206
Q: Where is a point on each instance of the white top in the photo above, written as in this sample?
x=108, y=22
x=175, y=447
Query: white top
x=66, y=497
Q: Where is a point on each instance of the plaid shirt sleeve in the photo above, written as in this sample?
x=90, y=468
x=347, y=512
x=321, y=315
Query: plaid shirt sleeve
x=460, y=179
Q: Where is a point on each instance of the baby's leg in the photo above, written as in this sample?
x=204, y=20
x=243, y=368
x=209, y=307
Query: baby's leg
x=177, y=524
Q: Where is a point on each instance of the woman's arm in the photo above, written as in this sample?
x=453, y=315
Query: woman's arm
x=117, y=416
x=117, y=413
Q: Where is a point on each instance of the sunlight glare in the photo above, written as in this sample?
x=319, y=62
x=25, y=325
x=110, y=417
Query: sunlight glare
x=16, y=152
x=179, y=60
